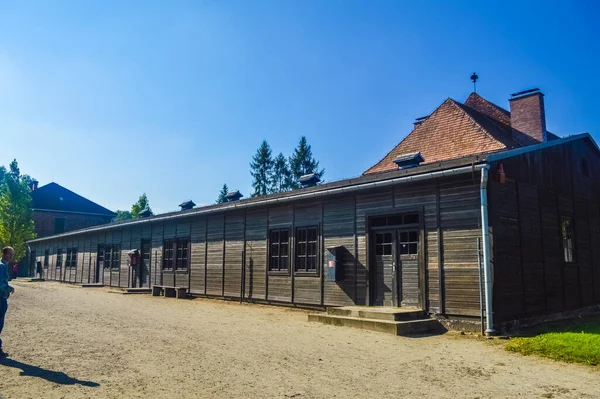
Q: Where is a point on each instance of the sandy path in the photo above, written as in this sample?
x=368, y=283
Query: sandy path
x=75, y=342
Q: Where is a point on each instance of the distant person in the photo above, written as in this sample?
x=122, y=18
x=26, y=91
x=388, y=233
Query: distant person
x=15, y=271
x=40, y=269
x=5, y=290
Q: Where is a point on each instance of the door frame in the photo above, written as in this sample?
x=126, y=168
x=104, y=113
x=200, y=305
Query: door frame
x=420, y=210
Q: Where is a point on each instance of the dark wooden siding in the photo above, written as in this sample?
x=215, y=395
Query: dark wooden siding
x=234, y=245
x=256, y=253
x=531, y=276
x=214, y=264
x=198, y=260
x=460, y=228
x=338, y=230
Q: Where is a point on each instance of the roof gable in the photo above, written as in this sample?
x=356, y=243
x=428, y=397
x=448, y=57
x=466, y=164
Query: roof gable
x=487, y=108
x=453, y=130
x=55, y=197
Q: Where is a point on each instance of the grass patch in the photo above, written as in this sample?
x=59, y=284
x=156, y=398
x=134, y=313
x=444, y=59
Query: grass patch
x=577, y=343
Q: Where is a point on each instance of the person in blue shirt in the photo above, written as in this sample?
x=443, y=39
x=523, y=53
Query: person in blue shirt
x=8, y=254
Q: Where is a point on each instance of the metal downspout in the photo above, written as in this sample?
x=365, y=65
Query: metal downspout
x=487, y=266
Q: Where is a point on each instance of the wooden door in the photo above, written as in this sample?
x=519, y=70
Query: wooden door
x=385, y=267
x=408, y=266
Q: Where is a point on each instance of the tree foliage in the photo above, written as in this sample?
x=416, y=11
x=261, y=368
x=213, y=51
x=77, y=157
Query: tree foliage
x=16, y=223
x=261, y=169
x=303, y=163
x=141, y=204
x=223, y=194
x=282, y=176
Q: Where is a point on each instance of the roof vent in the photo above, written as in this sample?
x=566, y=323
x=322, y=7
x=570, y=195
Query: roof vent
x=420, y=120
x=234, y=195
x=145, y=213
x=309, y=180
x=187, y=205
x=407, y=161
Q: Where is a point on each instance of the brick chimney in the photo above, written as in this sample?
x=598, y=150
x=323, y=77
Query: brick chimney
x=527, y=117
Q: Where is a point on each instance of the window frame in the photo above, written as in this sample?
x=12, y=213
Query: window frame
x=183, y=244
x=567, y=243
x=168, y=247
x=279, y=271
x=111, y=262
x=298, y=245
x=59, y=258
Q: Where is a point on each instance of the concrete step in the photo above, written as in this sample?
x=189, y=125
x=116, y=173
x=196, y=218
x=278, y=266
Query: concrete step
x=130, y=291
x=386, y=326
x=379, y=313
x=93, y=285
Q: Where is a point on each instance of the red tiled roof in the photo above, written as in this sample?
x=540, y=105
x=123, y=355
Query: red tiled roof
x=455, y=130
x=487, y=108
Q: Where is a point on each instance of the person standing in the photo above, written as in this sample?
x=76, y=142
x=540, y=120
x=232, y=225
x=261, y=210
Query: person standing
x=8, y=254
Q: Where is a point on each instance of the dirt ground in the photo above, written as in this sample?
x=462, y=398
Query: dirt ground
x=69, y=342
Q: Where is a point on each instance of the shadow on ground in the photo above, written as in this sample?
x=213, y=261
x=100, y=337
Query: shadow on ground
x=57, y=377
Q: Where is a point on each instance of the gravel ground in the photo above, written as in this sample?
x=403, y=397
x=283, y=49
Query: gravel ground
x=68, y=342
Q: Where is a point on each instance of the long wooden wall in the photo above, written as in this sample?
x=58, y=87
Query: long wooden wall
x=450, y=210
x=531, y=276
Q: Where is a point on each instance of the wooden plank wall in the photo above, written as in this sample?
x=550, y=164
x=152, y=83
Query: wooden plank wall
x=256, y=254
x=450, y=228
x=198, y=256
x=531, y=276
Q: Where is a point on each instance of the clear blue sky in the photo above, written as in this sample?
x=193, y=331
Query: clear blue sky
x=112, y=99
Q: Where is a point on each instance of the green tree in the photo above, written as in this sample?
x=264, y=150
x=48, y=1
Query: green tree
x=282, y=176
x=223, y=194
x=16, y=223
x=141, y=204
x=261, y=169
x=303, y=163
x=122, y=215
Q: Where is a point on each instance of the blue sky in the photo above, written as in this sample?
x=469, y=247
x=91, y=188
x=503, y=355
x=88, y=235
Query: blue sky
x=113, y=99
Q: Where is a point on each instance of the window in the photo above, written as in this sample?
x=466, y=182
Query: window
x=409, y=242
x=116, y=257
x=383, y=244
x=46, y=257
x=59, y=225
x=583, y=166
x=181, y=262
x=109, y=256
x=71, y=258
x=176, y=254
x=59, y=258
x=395, y=220
x=306, y=249
x=168, y=255
x=279, y=250
x=567, y=239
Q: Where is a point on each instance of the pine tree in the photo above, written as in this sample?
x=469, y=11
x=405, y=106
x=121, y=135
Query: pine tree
x=282, y=176
x=223, y=194
x=303, y=163
x=16, y=223
x=261, y=169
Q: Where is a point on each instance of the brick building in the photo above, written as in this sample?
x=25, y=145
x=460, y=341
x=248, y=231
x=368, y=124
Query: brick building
x=57, y=210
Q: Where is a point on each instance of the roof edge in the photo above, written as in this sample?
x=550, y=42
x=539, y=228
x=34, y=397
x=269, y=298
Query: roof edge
x=530, y=148
x=468, y=165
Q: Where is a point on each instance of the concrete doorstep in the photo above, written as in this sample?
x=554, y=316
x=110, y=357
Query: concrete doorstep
x=397, y=321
